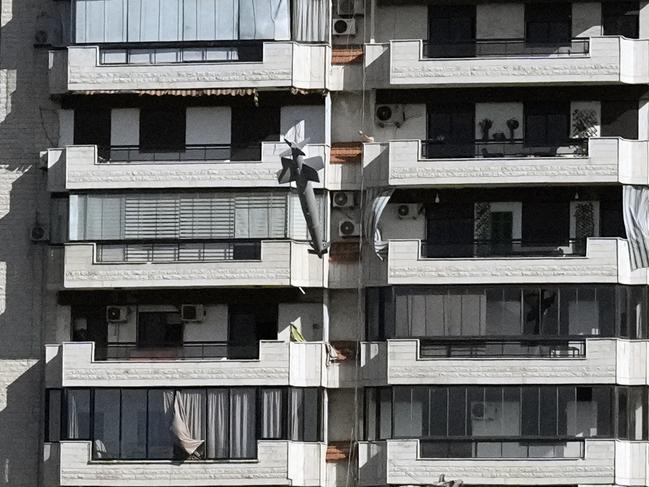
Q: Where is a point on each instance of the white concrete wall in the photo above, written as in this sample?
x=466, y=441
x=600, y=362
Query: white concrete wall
x=341, y=422
x=66, y=127
x=500, y=21
x=125, y=126
x=402, y=21
x=208, y=125
x=213, y=328
x=307, y=317
x=299, y=122
x=345, y=315
x=395, y=227
x=412, y=127
x=499, y=113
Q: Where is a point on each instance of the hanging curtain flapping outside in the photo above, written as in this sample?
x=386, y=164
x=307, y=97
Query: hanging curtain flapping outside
x=310, y=20
x=187, y=422
x=376, y=202
x=636, y=223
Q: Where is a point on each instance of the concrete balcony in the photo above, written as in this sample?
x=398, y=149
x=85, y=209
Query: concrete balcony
x=69, y=463
x=282, y=263
x=608, y=160
x=399, y=462
x=606, y=260
x=604, y=60
x=587, y=361
x=73, y=364
x=283, y=65
x=78, y=167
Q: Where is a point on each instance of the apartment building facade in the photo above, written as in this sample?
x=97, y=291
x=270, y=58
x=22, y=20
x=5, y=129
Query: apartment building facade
x=481, y=312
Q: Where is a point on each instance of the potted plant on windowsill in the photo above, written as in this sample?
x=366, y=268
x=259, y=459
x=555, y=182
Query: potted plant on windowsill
x=512, y=125
x=485, y=126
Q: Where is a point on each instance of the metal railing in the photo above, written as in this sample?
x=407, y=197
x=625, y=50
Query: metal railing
x=435, y=149
x=208, y=152
x=507, y=347
x=182, y=52
x=188, y=351
x=504, y=248
x=506, y=48
x=178, y=251
x=502, y=448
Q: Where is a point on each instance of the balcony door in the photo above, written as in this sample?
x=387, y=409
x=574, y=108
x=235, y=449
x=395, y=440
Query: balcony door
x=547, y=127
x=92, y=127
x=451, y=130
x=159, y=330
x=451, y=31
x=548, y=24
x=250, y=127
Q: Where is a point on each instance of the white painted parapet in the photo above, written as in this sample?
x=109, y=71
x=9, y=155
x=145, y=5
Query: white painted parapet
x=72, y=364
x=606, y=261
x=284, y=65
x=278, y=463
x=77, y=167
x=282, y=263
x=405, y=466
x=609, y=160
x=632, y=463
x=609, y=60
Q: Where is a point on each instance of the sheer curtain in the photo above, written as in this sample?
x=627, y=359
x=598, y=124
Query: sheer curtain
x=78, y=414
x=242, y=423
x=188, y=421
x=310, y=20
x=218, y=413
x=296, y=417
x=271, y=414
x=636, y=224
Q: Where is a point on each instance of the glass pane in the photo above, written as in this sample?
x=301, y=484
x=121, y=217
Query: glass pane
x=272, y=413
x=606, y=310
x=549, y=312
x=133, y=424
x=438, y=411
x=78, y=414
x=385, y=426
x=106, y=423
x=218, y=414
x=530, y=411
x=511, y=411
x=476, y=410
x=243, y=443
x=408, y=414
x=548, y=417
x=457, y=411
x=160, y=415
x=311, y=422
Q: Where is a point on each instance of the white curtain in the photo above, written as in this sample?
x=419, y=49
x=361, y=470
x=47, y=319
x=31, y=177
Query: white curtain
x=272, y=414
x=187, y=423
x=636, y=223
x=78, y=414
x=217, y=426
x=296, y=414
x=375, y=203
x=243, y=419
x=310, y=20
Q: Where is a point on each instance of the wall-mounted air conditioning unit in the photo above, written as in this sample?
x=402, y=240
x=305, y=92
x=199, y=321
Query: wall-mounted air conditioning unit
x=343, y=199
x=116, y=314
x=408, y=210
x=348, y=228
x=344, y=27
x=389, y=115
x=192, y=313
x=39, y=233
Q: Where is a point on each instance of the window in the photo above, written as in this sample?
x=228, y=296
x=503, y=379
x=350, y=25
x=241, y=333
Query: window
x=155, y=330
x=197, y=423
x=92, y=126
x=162, y=129
x=251, y=126
x=53, y=419
x=526, y=312
x=546, y=124
x=451, y=130
x=524, y=413
x=545, y=25
x=621, y=19
x=451, y=30
x=98, y=21
x=620, y=119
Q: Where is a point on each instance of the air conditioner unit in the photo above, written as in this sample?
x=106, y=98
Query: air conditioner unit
x=344, y=27
x=116, y=314
x=343, y=199
x=389, y=115
x=39, y=233
x=192, y=313
x=408, y=210
x=483, y=412
x=348, y=228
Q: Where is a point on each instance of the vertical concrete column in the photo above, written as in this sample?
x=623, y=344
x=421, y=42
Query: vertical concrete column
x=644, y=20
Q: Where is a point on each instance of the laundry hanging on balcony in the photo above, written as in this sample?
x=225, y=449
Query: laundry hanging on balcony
x=636, y=224
x=375, y=203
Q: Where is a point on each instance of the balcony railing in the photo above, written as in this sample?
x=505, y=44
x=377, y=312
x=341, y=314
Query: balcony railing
x=435, y=149
x=188, y=351
x=175, y=251
x=506, y=47
x=188, y=52
x=504, y=248
x=210, y=152
x=502, y=348
x=502, y=448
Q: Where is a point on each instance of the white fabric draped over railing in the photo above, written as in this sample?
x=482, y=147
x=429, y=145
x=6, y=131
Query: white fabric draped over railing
x=310, y=20
x=636, y=223
x=375, y=203
x=187, y=422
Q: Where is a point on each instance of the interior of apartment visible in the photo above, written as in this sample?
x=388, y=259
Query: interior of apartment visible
x=192, y=325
